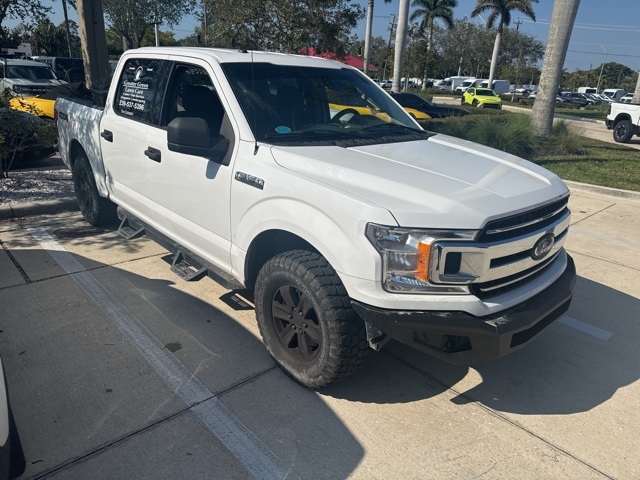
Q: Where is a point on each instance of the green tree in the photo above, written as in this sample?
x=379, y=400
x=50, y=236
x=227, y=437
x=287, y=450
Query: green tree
x=282, y=25
x=49, y=39
x=132, y=19
x=166, y=39
x=21, y=9
x=500, y=11
x=427, y=12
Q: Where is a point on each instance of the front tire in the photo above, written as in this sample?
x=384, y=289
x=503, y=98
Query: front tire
x=306, y=320
x=96, y=210
x=623, y=131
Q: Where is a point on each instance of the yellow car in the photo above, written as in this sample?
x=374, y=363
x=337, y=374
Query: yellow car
x=417, y=114
x=361, y=110
x=42, y=107
x=482, y=98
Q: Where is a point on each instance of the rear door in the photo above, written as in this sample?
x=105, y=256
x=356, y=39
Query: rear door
x=136, y=104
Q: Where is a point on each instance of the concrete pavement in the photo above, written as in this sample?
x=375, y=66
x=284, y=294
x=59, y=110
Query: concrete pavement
x=118, y=369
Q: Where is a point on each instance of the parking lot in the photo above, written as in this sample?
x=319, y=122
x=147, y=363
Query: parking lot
x=118, y=369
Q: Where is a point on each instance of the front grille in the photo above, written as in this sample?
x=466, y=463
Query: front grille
x=524, y=223
x=507, y=253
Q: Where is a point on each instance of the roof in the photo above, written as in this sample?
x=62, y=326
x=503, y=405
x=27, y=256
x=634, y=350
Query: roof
x=350, y=60
x=222, y=55
x=14, y=61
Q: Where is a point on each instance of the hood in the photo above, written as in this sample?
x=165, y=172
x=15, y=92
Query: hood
x=442, y=182
x=35, y=86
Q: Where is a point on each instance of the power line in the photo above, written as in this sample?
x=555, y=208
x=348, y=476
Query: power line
x=609, y=54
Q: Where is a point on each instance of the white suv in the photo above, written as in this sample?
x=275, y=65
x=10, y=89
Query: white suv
x=26, y=77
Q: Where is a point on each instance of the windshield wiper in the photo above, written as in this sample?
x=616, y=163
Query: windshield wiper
x=314, y=133
x=395, y=126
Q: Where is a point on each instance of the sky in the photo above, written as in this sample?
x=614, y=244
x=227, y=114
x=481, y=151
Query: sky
x=604, y=29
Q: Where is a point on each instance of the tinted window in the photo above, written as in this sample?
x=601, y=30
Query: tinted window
x=141, y=88
x=485, y=92
x=29, y=72
x=295, y=104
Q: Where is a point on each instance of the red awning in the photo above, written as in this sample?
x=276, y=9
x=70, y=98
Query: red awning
x=350, y=60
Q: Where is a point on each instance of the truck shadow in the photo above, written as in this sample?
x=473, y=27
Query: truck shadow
x=563, y=371
x=62, y=352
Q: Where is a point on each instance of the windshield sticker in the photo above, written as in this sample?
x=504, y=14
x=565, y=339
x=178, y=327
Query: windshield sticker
x=283, y=129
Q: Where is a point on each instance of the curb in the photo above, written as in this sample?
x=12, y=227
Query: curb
x=614, y=192
x=18, y=210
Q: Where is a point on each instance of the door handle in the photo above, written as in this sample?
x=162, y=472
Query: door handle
x=107, y=135
x=153, y=154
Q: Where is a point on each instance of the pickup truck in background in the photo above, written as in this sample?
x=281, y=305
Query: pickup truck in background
x=624, y=120
x=350, y=226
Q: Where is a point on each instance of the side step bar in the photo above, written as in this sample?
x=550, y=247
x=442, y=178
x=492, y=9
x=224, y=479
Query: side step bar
x=184, y=268
x=187, y=265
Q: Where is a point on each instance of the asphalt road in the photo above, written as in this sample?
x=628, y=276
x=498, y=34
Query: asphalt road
x=118, y=369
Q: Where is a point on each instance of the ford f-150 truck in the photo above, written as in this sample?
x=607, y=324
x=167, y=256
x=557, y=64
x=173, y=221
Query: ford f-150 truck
x=624, y=120
x=351, y=227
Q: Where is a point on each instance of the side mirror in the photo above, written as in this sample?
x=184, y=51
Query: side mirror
x=191, y=136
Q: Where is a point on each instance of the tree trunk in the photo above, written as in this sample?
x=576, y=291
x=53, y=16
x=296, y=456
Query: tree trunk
x=494, y=57
x=562, y=20
x=367, y=37
x=429, y=44
x=401, y=37
x=636, y=95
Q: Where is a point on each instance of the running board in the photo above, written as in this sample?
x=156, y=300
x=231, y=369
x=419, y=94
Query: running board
x=186, y=270
x=128, y=230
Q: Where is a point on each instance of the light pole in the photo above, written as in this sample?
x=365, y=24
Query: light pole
x=602, y=68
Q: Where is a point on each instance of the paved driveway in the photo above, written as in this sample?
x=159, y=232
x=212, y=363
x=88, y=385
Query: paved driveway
x=118, y=369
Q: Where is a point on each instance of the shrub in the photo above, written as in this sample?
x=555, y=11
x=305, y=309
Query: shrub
x=567, y=139
x=17, y=129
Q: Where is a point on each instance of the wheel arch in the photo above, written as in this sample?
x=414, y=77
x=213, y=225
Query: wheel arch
x=621, y=117
x=97, y=167
x=267, y=245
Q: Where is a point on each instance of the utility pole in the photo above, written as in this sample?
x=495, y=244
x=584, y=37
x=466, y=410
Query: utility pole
x=518, y=23
x=93, y=41
x=66, y=25
x=392, y=29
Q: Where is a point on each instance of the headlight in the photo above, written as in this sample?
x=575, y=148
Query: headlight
x=407, y=257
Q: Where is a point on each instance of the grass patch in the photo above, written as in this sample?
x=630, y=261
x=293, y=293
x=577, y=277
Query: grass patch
x=566, y=152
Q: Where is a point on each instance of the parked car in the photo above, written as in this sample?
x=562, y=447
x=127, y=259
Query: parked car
x=43, y=105
x=349, y=230
x=481, y=97
x=26, y=77
x=574, y=98
x=413, y=103
x=68, y=69
x=626, y=98
x=624, y=120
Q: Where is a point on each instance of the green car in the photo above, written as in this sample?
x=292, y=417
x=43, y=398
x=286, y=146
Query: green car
x=482, y=97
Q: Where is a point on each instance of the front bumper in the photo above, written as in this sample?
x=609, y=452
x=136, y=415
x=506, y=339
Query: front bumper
x=461, y=338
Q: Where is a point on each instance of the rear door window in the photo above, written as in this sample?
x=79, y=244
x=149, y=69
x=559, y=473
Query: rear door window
x=141, y=89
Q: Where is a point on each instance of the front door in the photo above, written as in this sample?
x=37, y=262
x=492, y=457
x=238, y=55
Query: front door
x=190, y=195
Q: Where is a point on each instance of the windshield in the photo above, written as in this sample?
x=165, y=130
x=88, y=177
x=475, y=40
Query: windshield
x=485, y=92
x=30, y=72
x=287, y=104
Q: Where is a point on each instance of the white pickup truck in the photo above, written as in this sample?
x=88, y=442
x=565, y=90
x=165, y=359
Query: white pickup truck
x=624, y=120
x=307, y=184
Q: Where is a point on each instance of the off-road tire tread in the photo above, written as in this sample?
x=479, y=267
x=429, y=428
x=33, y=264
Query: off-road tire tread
x=102, y=211
x=347, y=333
x=627, y=136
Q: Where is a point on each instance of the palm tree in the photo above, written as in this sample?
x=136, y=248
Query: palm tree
x=562, y=20
x=500, y=10
x=427, y=11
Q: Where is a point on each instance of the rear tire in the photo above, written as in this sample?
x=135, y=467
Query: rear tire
x=474, y=103
x=623, y=131
x=96, y=210
x=306, y=320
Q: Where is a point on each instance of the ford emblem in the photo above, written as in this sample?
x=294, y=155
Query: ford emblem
x=543, y=246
